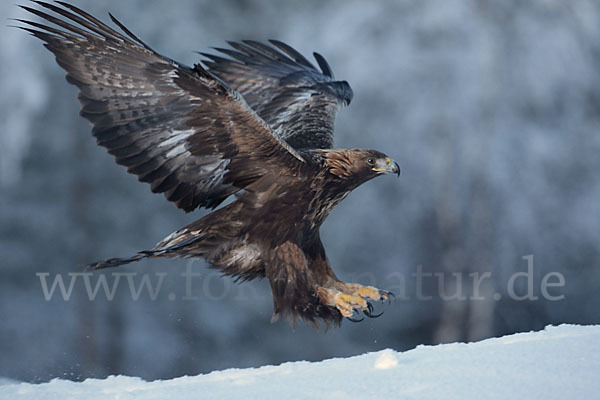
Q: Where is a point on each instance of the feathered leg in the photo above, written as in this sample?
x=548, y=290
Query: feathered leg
x=344, y=297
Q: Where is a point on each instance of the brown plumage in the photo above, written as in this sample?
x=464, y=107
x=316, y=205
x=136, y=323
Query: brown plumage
x=258, y=125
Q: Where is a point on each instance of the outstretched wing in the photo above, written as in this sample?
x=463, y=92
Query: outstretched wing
x=179, y=129
x=285, y=89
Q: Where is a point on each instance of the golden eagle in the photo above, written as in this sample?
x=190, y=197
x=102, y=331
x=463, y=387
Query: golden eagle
x=255, y=122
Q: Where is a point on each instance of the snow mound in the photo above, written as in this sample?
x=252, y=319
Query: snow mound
x=557, y=363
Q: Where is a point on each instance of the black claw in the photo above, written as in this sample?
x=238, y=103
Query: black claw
x=356, y=311
x=369, y=312
x=389, y=296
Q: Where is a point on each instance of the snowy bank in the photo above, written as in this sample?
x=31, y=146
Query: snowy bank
x=558, y=363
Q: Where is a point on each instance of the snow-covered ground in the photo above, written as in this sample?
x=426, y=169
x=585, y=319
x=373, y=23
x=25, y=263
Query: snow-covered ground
x=560, y=362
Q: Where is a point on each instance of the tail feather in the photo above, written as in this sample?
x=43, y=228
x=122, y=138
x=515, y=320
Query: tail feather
x=115, y=262
x=166, y=248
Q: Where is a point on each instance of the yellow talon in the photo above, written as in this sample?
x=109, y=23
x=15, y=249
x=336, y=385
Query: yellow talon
x=346, y=304
x=369, y=292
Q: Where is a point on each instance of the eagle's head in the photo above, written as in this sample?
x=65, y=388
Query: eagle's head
x=359, y=165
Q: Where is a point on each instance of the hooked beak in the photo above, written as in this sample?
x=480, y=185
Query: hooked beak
x=387, y=166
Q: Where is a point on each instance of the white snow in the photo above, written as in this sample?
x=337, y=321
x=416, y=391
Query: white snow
x=561, y=362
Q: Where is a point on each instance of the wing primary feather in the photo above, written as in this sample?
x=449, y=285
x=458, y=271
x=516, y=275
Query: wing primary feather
x=268, y=50
x=299, y=58
x=93, y=20
x=218, y=59
x=101, y=28
x=259, y=55
x=61, y=23
x=54, y=31
x=129, y=33
x=324, y=65
x=246, y=59
x=88, y=24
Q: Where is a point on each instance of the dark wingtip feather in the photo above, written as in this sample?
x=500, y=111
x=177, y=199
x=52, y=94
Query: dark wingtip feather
x=87, y=21
x=23, y=21
x=232, y=43
x=324, y=65
x=218, y=59
x=237, y=55
x=290, y=51
x=128, y=32
x=44, y=36
x=270, y=51
x=31, y=31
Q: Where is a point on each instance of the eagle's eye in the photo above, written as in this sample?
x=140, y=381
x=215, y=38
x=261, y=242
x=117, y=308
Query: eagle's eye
x=371, y=161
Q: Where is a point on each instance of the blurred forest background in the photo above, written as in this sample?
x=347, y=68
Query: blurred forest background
x=491, y=107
